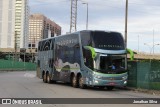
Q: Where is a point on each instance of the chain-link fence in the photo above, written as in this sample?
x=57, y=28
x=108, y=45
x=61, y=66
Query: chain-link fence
x=144, y=74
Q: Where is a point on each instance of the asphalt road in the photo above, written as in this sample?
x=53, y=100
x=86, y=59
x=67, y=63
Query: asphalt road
x=22, y=84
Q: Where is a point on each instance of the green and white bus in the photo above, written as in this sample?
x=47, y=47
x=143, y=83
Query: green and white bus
x=84, y=58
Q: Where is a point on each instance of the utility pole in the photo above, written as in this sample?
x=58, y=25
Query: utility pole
x=153, y=41
x=15, y=45
x=138, y=43
x=73, y=20
x=126, y=22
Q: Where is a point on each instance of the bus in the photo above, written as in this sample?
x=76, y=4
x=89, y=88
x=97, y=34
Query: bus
x=84, y=58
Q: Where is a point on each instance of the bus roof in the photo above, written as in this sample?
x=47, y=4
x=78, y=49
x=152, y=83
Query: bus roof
x=79, y=32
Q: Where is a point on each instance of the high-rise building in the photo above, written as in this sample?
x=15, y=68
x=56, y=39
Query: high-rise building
x=41, y=27
x=14, y=16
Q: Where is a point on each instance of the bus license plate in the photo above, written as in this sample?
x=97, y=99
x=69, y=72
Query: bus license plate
x=111, y=83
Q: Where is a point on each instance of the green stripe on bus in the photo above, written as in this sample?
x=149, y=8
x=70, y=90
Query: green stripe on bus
x=68, y=68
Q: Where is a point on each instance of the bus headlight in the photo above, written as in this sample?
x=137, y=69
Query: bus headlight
x=124, y=78
x=125, y=82
x=96, y=81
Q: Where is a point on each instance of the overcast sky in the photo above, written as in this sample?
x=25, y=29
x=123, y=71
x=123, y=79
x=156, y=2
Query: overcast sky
x=143, y=18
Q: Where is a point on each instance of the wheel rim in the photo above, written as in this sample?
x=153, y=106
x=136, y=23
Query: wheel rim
x=74, y=80
x=44, y=78
x=81, y=82
x=48, y=78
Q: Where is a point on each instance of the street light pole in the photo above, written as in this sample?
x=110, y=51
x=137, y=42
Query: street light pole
x=138, y=43
x=153, y=41
x=87, y=16
x=126, y=22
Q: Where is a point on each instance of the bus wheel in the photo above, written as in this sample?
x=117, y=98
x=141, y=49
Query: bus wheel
x=80, y=82
x=44, y=78
x=110, y=88
x=74, y=81
x=48, y=78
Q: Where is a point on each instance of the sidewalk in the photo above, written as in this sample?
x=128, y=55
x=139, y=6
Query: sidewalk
x=153, y=92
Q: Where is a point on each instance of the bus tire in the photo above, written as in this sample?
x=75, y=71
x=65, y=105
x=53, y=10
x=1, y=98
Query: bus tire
x=44, y=78
x=48, y=79
x=80, y=82
x=110, y=88
x=74, y=81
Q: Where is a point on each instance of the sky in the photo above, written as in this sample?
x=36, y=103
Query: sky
x=109, y=15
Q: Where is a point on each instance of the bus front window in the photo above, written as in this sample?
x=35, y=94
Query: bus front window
x=110, y=64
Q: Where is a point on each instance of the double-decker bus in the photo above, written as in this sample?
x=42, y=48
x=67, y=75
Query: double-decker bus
x=84, y=58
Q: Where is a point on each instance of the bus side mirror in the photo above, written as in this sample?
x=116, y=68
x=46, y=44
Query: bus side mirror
x=93, y=53
x=131, y=53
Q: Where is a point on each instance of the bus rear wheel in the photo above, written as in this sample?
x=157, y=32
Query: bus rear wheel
x=44, y=78
x=80, y=82
x=74, y=81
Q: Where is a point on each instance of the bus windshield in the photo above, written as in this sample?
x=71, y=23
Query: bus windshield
x=107, y=40
x=110, y=64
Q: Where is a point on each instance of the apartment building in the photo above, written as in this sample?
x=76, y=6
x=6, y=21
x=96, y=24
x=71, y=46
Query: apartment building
x=41, y=27
x=14, y=17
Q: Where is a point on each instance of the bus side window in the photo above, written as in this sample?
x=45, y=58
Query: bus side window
x=51, y=62
x=52, y=44
x=39, y=45
x=38, y=63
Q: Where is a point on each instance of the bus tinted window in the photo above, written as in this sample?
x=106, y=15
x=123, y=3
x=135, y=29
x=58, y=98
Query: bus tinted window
x=39, y=45
x=52, y=46
x=46, y=45
x=85, y=38
x=107, y=40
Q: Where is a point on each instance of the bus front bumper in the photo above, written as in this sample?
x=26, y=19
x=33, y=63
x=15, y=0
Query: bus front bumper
x=110, y=80
x=98, y=82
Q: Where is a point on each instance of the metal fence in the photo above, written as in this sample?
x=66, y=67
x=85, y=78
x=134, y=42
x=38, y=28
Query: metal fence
x=144, y=74
x=16, y=65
